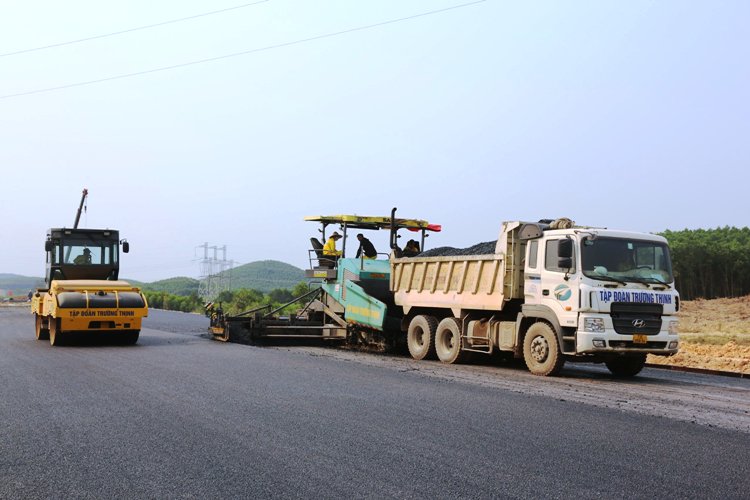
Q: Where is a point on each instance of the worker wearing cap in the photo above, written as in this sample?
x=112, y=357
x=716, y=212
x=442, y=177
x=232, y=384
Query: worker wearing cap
x=329, y=249
x=84, y=258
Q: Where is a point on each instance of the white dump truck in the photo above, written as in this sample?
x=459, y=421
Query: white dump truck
x=551, y=291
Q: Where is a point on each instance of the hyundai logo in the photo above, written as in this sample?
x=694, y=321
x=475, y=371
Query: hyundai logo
x=638, y=323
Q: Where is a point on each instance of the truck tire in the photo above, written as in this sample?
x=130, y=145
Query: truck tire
x=448, y=341
x=41, y=332
x=420, y=337
x=541, y=351
x=56, y=337
x=626, y=366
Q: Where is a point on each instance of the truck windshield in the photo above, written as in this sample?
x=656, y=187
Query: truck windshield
x=626, y=260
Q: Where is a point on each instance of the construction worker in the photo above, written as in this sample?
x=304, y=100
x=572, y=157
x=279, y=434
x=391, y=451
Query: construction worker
x=329, y=249
x=84, y=258
x=366, y=247
x=411, y=249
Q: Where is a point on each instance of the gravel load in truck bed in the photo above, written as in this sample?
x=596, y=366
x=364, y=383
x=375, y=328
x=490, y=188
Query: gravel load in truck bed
x=488, y=247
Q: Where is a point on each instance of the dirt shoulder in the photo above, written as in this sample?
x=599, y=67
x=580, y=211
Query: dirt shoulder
x=714, y=334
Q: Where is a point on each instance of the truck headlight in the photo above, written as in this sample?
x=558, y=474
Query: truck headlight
x=593, y=325
x=673, y=327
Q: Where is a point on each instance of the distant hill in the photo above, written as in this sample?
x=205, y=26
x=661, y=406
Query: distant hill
x=19, y=285
x=264, y=275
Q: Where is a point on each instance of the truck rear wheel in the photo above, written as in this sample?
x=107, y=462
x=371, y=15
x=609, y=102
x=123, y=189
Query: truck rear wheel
x=626, y=366
x=56, y=337
x=420, y=337
x=448, y=341
x=41, y=332
x=541, y=351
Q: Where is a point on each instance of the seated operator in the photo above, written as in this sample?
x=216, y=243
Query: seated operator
x=329, y=249
x=84, y=258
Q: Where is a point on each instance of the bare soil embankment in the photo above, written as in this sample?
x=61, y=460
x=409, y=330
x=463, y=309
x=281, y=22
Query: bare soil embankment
x=714, y=334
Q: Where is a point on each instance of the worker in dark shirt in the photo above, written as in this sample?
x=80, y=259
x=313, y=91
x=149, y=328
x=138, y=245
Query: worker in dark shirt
x=366, y=247
x=411, y=249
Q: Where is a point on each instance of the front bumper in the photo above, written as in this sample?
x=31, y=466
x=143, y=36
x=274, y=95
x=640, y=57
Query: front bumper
x=663, y=344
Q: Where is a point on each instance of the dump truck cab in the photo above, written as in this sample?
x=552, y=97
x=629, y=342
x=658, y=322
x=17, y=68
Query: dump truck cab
x=607, y=292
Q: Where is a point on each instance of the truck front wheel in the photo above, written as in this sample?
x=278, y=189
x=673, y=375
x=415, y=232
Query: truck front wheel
x=448, y=341
x=541, y=351
x=626, y=366
x=420, y=337
x=41, y=332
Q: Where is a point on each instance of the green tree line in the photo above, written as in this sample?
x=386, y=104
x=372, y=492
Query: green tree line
x=711, y=263
x=172, y=302
x=232, y=301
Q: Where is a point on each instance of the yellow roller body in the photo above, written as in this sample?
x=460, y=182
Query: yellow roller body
x=92, y=305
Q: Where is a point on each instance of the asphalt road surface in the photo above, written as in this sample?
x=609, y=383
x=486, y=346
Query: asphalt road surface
x=182, y=416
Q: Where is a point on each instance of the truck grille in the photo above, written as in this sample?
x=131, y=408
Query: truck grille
x=630, y=318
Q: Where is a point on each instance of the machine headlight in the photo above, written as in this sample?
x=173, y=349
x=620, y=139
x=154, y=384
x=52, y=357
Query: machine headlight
x=593, y=325
x=673, y=327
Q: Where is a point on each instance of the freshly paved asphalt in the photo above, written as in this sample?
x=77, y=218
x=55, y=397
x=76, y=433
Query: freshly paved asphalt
x=181, y=416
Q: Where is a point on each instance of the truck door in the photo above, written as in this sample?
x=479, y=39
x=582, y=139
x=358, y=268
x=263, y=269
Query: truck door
x=557, y=293
x=532, y=283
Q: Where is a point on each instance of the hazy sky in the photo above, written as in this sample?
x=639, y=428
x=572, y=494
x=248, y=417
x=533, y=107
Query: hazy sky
x=625, y=114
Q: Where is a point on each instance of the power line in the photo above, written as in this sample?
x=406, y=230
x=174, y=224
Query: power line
x=148, y=26
x=244, y=52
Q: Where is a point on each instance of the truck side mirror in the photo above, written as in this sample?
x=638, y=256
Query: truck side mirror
x=48, y=246
x=565, y=253
x=565, y=248
x=125, y=247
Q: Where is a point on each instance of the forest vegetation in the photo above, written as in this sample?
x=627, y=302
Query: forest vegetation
x=711, y=263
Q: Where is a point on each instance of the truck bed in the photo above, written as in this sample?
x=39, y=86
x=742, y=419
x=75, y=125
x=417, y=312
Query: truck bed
x=461, y=282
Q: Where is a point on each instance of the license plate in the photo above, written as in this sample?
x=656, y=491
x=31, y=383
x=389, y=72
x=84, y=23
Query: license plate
x=639, y=339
